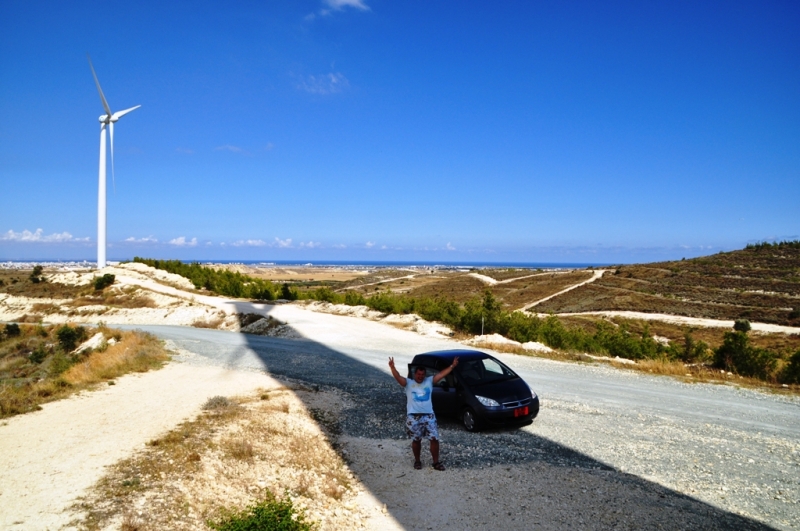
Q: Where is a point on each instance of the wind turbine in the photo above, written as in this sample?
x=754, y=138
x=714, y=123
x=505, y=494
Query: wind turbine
x=108, y=119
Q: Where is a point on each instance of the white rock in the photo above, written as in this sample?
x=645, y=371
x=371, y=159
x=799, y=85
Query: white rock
x=96, y=341
x=536, y=346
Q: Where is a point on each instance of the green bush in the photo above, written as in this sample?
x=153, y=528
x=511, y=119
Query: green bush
x=12, y=330
x=742, y=325
x=269, y=514
x=101, y=283
x=791, y=373
x=326, y=294
x=288, y=293
x=738, y=356
x=59, y=363
x=354, y=298
x=38, y=355
x=692, y=351
x=68, y=337
x=227, y=283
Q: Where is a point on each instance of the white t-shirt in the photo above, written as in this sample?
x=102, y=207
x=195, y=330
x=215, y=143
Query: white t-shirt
x=418, y=395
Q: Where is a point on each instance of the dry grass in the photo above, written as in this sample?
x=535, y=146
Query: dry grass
x=214, y=323
x=129, y=297
x=224, y=458
x=135, y=352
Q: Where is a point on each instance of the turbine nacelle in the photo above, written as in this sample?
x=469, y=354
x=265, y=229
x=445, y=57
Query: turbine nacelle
x=105, y=119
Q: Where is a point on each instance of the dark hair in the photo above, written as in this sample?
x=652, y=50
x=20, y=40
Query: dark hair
x=420, y=368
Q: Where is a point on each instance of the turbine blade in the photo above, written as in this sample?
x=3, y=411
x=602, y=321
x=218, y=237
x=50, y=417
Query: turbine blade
x=119, y=114
x=99, y=90
x=113, y=179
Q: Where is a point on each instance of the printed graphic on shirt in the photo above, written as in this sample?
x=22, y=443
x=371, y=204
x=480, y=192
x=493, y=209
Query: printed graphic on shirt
x=422, y=397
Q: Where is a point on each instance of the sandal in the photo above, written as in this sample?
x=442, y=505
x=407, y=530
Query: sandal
x=438, y=466
x=417, y=465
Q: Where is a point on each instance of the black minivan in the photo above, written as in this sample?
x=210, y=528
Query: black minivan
x=481, y=391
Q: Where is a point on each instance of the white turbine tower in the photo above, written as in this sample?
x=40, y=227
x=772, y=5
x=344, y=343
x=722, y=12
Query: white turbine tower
x=107, y=119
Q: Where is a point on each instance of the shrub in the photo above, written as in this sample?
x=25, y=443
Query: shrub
x=266, y=515
x=326, y=294
x=791, y=373
x=38, y=355
x=742, y=325
x=737, y=355
x=12, y=330
x=228, y=283
x=354, y=298
x=217, y=402
x=36, y=274
x=68, y=337
x=101, y=283
x=288, y=293
x=60, y=363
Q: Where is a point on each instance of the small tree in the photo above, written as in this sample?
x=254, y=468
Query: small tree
x=742, y=325
x=288, y=293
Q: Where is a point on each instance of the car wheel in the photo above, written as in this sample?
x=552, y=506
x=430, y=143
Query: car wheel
x=469, y=419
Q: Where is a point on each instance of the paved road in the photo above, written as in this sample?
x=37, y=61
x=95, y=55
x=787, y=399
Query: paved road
x=734, y=449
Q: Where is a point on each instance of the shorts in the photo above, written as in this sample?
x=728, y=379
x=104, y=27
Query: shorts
x=422, y=426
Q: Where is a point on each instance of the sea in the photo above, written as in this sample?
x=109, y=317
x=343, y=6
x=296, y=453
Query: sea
x=340, y=264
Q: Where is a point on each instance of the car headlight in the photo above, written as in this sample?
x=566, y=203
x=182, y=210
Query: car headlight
x=488, y=402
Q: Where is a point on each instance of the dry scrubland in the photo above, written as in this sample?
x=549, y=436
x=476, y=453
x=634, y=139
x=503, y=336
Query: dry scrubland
x=39, y=364
x=235, y=451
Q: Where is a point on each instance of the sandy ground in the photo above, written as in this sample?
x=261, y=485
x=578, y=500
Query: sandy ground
x=51, y=456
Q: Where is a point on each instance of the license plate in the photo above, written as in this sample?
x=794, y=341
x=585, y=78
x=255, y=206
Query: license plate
x=521, y=411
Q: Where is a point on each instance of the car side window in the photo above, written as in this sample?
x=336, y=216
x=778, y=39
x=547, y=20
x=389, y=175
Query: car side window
x=492, y=366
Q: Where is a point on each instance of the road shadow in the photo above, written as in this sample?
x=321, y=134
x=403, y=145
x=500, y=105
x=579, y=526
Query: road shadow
x=375, y=411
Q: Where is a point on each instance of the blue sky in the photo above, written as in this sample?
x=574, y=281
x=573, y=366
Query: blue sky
x=374, y=130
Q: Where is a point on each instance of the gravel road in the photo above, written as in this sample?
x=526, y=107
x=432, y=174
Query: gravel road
x=610, y=449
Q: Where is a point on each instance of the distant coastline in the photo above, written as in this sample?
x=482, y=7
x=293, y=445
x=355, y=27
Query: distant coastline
x=349, y=264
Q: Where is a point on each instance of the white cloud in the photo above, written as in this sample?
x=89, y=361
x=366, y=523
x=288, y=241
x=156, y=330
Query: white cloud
x=284, y=244
x=182, y=242
x=148, y=239
x=184, y=151
x=39, y=237
x=228, y=147
x=309, y=245
x=330, y=83
x=249, y=243
x=337, y=5
x=269, y=147
x=449, y=247
x=370, y=245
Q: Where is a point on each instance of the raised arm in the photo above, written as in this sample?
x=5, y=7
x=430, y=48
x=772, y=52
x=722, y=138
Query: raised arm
x=400, y=379
x=441, y=374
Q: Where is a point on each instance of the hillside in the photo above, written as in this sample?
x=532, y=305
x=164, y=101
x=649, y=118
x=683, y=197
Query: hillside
x=760, y=283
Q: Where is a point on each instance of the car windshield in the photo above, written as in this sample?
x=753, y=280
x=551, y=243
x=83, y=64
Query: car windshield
x=484, y=371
